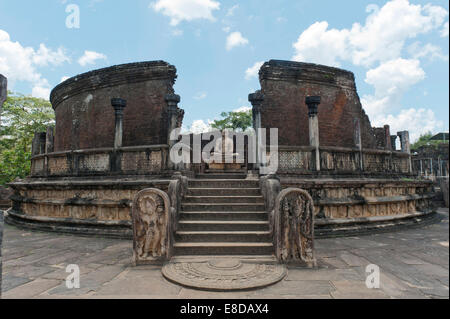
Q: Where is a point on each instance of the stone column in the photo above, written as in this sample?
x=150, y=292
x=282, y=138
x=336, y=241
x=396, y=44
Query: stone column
x=49, y=139
x=3, y=93
x=38, y=143
x=118, y=105
x=172, y=112
x=313, y=102
x=394, y=142
x=358, y=141
x=256, y=99
x=405, y=145
x=387, y=135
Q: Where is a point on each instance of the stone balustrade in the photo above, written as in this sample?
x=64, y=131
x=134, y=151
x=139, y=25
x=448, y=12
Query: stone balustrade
x=146, y=160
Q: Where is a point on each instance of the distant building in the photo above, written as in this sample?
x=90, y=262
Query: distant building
x=431, y=161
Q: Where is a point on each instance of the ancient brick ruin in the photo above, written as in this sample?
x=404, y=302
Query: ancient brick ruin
x=111, y=141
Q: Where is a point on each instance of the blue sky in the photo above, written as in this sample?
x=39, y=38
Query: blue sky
x=397, y=49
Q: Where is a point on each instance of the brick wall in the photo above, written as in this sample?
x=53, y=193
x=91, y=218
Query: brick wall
x=85, y=117
x=285, y=86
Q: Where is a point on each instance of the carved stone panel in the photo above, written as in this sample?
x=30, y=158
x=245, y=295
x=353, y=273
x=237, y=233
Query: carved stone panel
x=294, y=227
x=151, y=226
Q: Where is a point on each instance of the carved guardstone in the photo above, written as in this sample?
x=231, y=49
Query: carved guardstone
x=294, y=227
x=151, y=227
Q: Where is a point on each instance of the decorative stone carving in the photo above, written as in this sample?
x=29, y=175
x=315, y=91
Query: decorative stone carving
x=224, y=274
x=151, y=226
x=270, y=188
x=294, y=227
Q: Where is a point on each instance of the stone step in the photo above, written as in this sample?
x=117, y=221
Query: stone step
x=222, y=207
x=223, y=183
x=223, y=191
x=223, y=248
x=224, y=199
x=224, y=216
x=220, y=175
x=258, y=259
x=223, y=225
x=223, y=236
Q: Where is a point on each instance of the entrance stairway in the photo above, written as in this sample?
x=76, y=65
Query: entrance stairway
x=223, y=214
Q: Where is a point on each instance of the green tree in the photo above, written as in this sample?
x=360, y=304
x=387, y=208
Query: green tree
x=424, y=140
x=234, y=120
x=21, y=117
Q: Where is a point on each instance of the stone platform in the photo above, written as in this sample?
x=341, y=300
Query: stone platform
x=414, y=263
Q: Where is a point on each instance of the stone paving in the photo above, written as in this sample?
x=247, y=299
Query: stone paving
x=414, y=263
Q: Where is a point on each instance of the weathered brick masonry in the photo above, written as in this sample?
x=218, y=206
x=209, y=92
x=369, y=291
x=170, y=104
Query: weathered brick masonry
x=285, y=85
x=85, y=118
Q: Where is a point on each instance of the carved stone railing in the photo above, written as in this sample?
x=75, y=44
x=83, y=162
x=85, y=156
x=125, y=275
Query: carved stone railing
x=294, y=227
x=342, y=160
x=146, y=160
x=270, y=187
x=177, y=191
x=152, y=227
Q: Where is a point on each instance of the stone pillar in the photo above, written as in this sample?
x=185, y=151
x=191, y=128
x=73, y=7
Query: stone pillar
x=394, y=142
x=172, y=112
x=118, y=105
x=256, y=99
x=313, y=102
x=406, y=148
x=49, y=140
x=387, y=135
x=358, y=141
x=38, y=143
x=3, y=93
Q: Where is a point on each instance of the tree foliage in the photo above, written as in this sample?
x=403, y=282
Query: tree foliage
x=21, y=117
x=424, y=140
x=234, y=120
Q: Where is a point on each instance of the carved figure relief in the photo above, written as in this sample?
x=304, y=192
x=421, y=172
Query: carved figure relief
x=151, y=241
x=294, y=227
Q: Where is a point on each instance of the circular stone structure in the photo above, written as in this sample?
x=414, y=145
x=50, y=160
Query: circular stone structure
x=224, y=274
x=87, y=169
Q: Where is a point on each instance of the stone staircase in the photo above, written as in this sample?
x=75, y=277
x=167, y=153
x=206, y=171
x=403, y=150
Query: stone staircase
x=223, y=214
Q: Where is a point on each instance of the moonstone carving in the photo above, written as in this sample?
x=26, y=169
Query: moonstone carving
x=294, y=227
x=151, y=226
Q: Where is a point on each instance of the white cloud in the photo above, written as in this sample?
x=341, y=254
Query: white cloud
x=444, y=31
x=41, y=92
x=231, y=11
x=200, y=96
x=90, y=57
x=179, y=10
x=226, y=29
x=235, y=39
x=417, y=121
x=380, y=39
x=252, y=72
x=177, y=32
x=19, y=63
x=390, y=80
x=199, y=126
x=64, y=78
x=319, y=45
x=46, y=56
x=243, y=109
x=378, y=45
x=430, y=51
